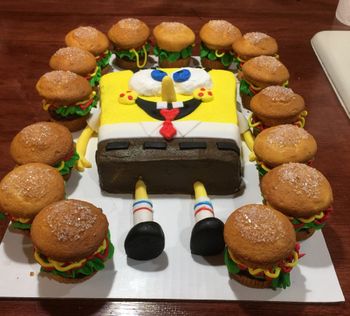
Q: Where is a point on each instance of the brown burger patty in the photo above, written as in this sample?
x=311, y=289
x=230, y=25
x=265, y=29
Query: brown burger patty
x=259, y=236
x=69, y=230
x=264, y=71
x=44, y=142
x=63, y=87
x=297, y=190
x=28, y=188
x=284, y=143
x=129, y=33
x=88, y=38
x=73, y=59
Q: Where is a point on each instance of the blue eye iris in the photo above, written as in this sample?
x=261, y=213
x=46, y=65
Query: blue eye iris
x=181, y=75
x=158, y=75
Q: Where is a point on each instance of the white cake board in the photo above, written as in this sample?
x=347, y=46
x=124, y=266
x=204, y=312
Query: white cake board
x=176, y=273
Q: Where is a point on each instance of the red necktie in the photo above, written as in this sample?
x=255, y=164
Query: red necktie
x=168, y=130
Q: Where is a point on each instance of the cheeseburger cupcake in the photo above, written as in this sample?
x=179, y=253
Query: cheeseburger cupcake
x=300, y=192
x=92, y=40
x=27, y=189
x=174, y=42
x=252, y=45
x=259, y=73
x=281, y=144
x=261, y=248
x=48, y=143
x=68, y=98
x=71, y=240
x=276, y=105
x=79, y=61
x=217, y=37
x=130, y=39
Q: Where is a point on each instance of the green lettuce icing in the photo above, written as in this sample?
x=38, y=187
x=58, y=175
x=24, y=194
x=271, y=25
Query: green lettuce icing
x=96, y=78
x=205, y=52
x=104, y=62
x=69, y=164
x=172, y=56
x=91, y=266
x=283, y=280
x=22, y=226
x=307, y=226
x=65, y=111
x=127, y=54
x=244, y=88
x=2, y=216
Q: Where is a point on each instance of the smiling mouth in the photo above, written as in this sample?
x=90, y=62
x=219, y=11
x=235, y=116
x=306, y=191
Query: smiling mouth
x=153, y=108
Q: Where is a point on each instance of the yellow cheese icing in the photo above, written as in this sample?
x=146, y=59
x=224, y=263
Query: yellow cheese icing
x=60, y=265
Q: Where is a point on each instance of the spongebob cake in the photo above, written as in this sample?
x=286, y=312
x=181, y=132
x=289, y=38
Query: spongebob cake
x=171, y=128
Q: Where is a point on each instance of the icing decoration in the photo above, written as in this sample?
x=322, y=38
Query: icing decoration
x=130, y=54
x=199, y=78
x=172, y=56
x=239, y=62
x=103, y=59
x=94, y=78
x=66, y=165
x=168, y=91
x=158, y=74
x=181, y=75
x=80, y=108
x=76, y=270
x=142, y=206
x=225, y=58
x=21, y=223
x=137, y=57
x=203, y=94
x=144, y=84
x=81, y=147
x=279, y=273
x=128, y=97
x=316, y=222
x=203, y=208
x=168, y=130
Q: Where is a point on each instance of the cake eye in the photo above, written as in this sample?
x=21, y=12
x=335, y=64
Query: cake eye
x=144, y=83
x=158, y=75
x=181, y=75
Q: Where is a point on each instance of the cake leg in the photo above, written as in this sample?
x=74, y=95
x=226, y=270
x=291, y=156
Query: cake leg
x=145, y=240
x=207, y=234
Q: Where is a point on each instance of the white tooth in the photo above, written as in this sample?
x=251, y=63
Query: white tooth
x=162, y=105
x=177, y=104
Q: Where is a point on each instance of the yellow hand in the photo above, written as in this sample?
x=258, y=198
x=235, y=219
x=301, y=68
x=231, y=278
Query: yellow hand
x=82, y=143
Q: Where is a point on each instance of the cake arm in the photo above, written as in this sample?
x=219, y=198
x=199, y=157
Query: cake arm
x=247, y=134
x=82, y=143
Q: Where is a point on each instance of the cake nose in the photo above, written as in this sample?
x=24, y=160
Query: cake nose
x=168, y=90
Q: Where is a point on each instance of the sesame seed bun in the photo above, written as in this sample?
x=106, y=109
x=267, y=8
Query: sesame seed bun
x=69, y=230
x=28, y=188
x=129, y=33
x=255, y=44
x=63, y=87
x=73, y=59
x=173, y=36
x=219, y=34
x=297, y=190
x=264, y=71
x=259, y=236
x=277, y=105
x=88, y=38
x=284, y=143
x=44, y=142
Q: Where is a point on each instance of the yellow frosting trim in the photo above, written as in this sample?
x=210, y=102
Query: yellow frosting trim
x=286, y=84
x=22, y=220
x=92, y=95
x=310, y=219
x=250, y=121
x=104, y=53
x=262, y=165
x=61, y=166
x=219, y=55
x=274, y=274
x=138, y=58
x=58, y=265
x=94, y=73
x=241, y=60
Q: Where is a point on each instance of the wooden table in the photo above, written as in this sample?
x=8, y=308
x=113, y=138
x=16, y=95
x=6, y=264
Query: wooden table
x=31, y=31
